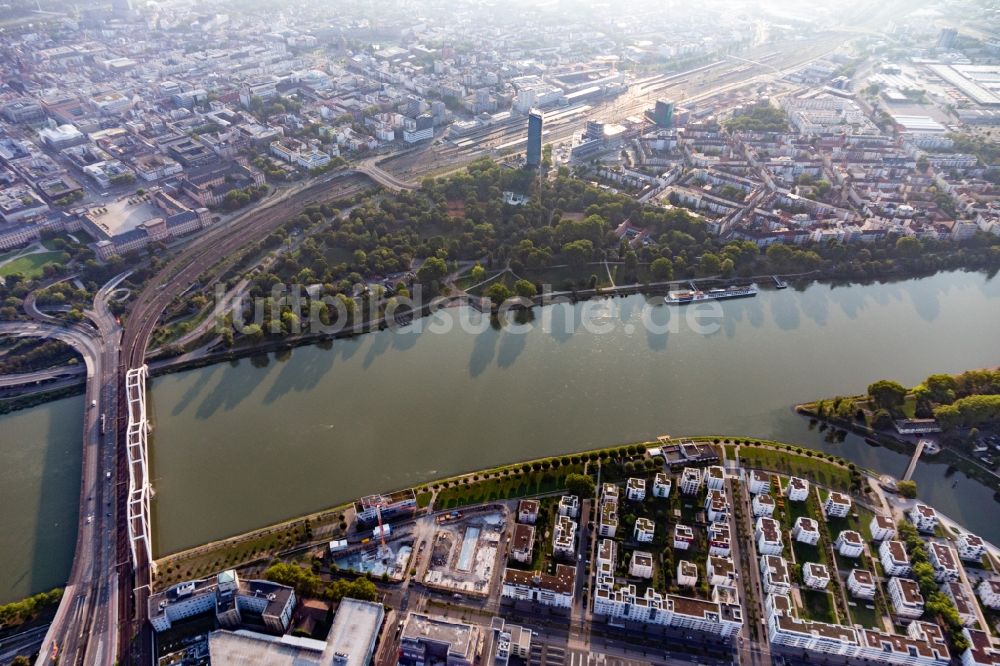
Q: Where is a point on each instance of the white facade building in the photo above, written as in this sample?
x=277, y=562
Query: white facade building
x=815, y=576
x=861, y=584
x=635, y=490
x=690, y=481
x=806, y=530
x=797, y=489
x=661, y=485
x=882, y=528
x=774, y=574
x=837, y=505
x=849, y=544
x=895, y=561
x=760, y=482
x=906, y=598
x=762, y=505
x=768, y=535
x=924, y=518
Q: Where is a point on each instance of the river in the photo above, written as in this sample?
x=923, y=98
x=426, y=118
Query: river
x=239, y=445
x=39, y=496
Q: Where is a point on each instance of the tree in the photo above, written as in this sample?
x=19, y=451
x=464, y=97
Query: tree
x=525, y=288
x=433, y=269
x=710, y=264
x=20, y=660
x=478, y=274
x=662, y=269
x=887, y=394
x=907, y=489
x=578, y=252
x=580, y=485
x=881, y=420
x=498, y=292
x=909, y=246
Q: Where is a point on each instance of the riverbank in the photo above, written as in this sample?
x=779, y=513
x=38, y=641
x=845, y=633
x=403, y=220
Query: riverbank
x=530, y=478
x=536, y=478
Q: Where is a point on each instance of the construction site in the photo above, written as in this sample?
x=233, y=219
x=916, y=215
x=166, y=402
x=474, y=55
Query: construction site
x=464, y=552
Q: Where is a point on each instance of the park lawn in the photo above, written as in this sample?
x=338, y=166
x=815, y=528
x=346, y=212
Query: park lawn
x=30, y=265
x=567, y=277
x=817, y=605
x=805, y=552
x=865, y=615
x=424, y=499
x=813, y=468
x=508, y=487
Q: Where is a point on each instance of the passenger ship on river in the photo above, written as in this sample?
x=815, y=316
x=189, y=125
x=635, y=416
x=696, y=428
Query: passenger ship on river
x=721, y=293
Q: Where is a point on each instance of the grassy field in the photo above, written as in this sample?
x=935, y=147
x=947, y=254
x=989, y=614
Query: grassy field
x=817, y=605
x=865, y=616
x=30, y=265
x=507, y=487
x=814, y=468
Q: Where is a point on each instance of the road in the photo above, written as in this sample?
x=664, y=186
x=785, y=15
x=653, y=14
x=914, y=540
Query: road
x=51, y=377
x=90, y=585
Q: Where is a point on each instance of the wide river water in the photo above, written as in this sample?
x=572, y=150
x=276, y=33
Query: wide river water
x=240, y=445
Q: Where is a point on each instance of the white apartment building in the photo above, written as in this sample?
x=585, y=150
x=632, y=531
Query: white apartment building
x=970, y=547
x=861, y=584
x=690, y=481
x=661, y=485
x=965, y=601
x=806, y=530
x=762, y=505
x=837, y=505
x=527, y=512
x=635, y=490
x=767, y=532
x=944, y=559
x=980, y=651
x=721, y=570
x=906, y=598
x=989, y=593
x=719, y=540
x=522, y=543
x=716, y=505
x=643, y=532
x=564, y=538
x=895, y=561
x=849, y=544
x=774, y=574
x=541, y=588
x=797, y=489
x=815, y=576
x=569, y=505
x=924, y=518
x=607, y=520
x=683, y=537
x=882, y=528
x=687, y=574
x=641, y=564
x=715, y=477
x=760, y=482
x=922, y=645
